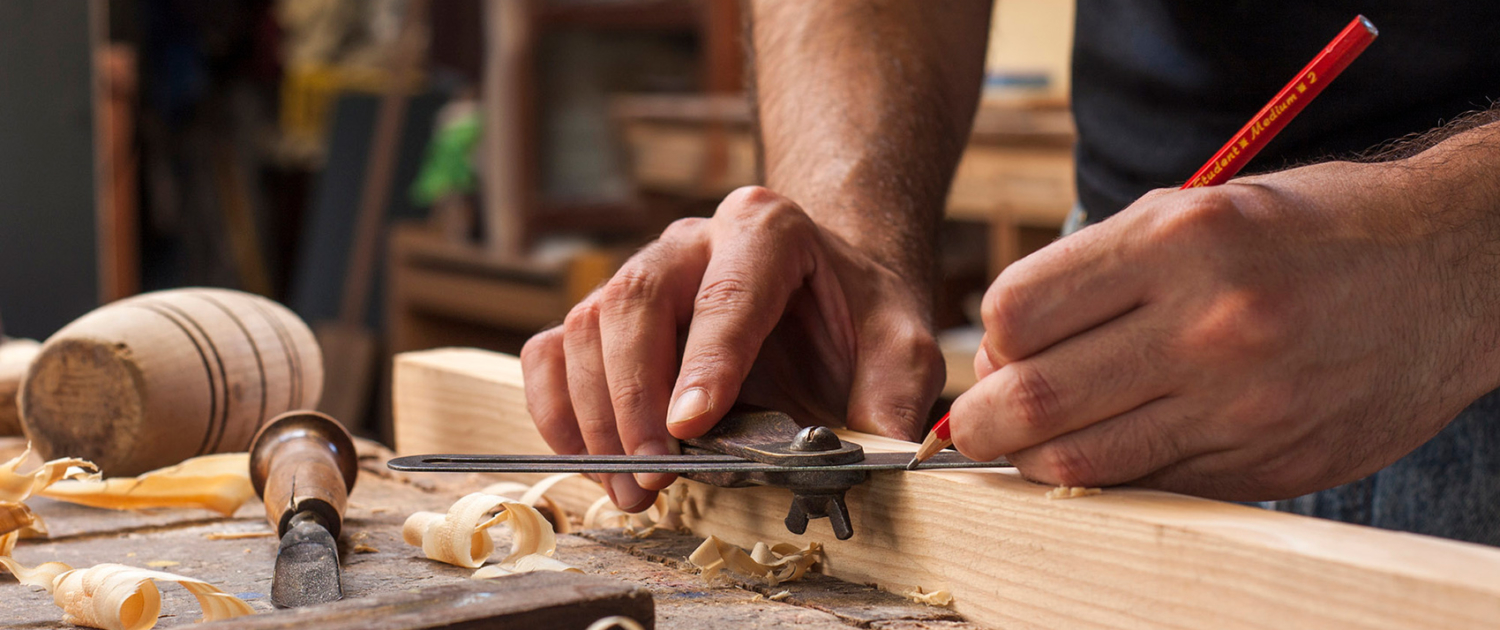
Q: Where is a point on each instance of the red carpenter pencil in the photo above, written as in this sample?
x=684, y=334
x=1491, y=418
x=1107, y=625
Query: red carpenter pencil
x=1286, y=105
x=1243, y=146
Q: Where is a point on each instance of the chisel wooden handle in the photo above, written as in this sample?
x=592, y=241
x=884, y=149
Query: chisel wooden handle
x=304, y=461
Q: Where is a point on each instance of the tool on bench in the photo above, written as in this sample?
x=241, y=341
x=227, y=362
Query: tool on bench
x=152, y=380
x=303, y=466
x=1233, y=156
x=544, y=599
x=749, y=447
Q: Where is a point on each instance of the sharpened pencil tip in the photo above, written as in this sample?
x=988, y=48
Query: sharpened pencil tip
x=915, y=461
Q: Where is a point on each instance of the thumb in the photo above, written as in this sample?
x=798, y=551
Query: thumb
x=896, y=381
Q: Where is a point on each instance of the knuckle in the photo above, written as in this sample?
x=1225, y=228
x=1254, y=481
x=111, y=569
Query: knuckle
x=542, y=347
x=1002, y=313
x=1203, y=217
x=582, y=317
x=762, y=210
x=1244, y=323
x=682, y=229
x=728, y=294
x=1030, y=398
x=632, y=285
x=708, y=364
x=749, y=196
x=629, y=396
x=598, y=435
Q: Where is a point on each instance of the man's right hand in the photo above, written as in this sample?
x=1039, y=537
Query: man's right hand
x=758, y=304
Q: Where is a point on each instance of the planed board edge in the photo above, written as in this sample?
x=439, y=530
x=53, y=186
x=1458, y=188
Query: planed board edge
x=1129, y=558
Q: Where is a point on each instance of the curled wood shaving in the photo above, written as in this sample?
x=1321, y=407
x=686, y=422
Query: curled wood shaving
x=1066, y=492
x=525, y=564
x=532, y=494
x=40, y=575
x=665, y=513
x=462, y=538
x=783, y=562
x=16, y=487
x=114, y=596
x=118, y=597
x=216, y=482
x=616, y=621
x=940, y=597
x=779, y=595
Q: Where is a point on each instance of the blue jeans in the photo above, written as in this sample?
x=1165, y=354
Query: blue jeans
x=1448, y=487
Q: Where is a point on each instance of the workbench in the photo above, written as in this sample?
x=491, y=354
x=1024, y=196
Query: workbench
x=177, y=541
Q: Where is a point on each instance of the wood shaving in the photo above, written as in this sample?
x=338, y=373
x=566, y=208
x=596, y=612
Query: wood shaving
x=1066, y=492
x=216, y=482
x=40, y=575
x=118, y=597
x=238, y=535
x=783, y=562
x=780, y=595
x=16, y=487
x=162, y=564
x=462, y=538
x=664, y=514
x=360, y=546
x=940, y=597
x=534, y=493
x=616, y=621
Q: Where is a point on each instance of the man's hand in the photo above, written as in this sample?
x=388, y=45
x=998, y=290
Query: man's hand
x=1274, y=336
x=759, y=295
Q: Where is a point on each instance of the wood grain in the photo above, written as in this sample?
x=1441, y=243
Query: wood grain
x=155, y=379
x=1012, y=558
x=565, y=601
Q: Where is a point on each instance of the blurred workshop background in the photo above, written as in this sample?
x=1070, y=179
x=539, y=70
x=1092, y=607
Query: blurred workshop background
x=406, y=174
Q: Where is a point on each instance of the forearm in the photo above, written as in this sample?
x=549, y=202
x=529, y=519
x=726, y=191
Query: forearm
x=864, y=108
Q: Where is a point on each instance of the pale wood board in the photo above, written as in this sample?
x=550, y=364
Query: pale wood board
x=1129, y=558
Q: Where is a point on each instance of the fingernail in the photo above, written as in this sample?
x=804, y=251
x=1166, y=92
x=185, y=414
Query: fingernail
x=656, y=481
x=629, y=496
x=691, y=404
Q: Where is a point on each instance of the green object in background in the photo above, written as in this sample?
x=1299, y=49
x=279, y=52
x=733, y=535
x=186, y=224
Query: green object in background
x=449, y=166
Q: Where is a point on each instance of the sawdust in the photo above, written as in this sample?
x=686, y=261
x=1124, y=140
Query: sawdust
x=940, y=597
x=1067, y=492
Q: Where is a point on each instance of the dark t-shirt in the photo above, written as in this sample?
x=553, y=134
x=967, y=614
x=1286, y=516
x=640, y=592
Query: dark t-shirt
x=1158, y=86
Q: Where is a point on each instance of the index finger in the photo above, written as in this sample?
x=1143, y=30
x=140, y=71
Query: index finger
x=1068, y=287
x=760, y=256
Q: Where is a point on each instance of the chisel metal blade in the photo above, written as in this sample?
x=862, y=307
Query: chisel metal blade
x=307, y=565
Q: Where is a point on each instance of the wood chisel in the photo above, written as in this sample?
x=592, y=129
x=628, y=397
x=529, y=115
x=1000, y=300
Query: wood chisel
x=303, y=466
x=749, y=447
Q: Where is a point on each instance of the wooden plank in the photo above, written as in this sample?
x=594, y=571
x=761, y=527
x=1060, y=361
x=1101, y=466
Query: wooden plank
x=1129, y=558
